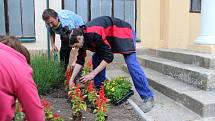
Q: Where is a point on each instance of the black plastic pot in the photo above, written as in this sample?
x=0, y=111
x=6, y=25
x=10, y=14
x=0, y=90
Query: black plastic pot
x=124, y=98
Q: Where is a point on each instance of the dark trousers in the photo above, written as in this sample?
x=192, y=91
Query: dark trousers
x=64, y=56
x=64, y=52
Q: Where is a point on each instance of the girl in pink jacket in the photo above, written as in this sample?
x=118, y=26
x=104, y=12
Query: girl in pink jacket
x=16, y=82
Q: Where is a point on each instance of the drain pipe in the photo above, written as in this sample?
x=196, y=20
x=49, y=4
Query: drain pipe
x=48, y=39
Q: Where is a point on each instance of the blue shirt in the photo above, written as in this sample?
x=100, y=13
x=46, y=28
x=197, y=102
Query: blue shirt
x=67, y=18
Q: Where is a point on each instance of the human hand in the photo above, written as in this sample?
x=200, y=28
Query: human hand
x=54, y=48
x=70, y=67
x=71, y=84
x=87, y=77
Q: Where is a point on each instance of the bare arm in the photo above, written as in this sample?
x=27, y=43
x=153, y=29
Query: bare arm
x=52, y=37
x=92, y=74
x=77, y=68
x=72, y=58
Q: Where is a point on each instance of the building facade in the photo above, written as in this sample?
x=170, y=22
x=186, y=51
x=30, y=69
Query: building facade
x=158, y=23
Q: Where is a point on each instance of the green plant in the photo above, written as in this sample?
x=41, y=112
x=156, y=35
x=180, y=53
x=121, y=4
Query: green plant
x=46, y=74
x=49, y=114
x=19, y=115
x=87, y=68
x=77, y=99
x=117, y=88
x=91, y=93
x=102, y=106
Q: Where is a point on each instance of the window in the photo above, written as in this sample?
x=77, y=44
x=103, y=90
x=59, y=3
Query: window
x=195, y=6
x=89, y=9
x=17, y=19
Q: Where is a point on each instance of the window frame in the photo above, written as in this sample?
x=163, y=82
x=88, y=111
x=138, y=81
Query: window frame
x=21, y=37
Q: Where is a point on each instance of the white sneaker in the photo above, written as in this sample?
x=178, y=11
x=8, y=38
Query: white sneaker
x=148, y=104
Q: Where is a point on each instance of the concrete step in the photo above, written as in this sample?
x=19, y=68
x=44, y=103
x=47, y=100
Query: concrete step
x=196, y=76
x=204, y=60
x=165, y=108
x=199, y=101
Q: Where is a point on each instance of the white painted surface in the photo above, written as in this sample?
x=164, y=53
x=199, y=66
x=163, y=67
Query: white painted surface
x=207, y=23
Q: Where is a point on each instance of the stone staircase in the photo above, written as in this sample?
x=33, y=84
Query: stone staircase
x=185, y=76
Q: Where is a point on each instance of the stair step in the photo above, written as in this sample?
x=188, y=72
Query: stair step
x=200, y=101
x=197, y=76
x=204, y=60
x=165, y=108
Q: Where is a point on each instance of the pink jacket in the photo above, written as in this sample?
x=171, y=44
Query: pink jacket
x=16, y=82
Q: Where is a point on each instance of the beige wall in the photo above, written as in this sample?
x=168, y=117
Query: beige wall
x=166, y=23
x=148, y=22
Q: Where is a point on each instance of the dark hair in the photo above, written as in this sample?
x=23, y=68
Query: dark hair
x=12, y=42
x=47, y=13
x=71, y=35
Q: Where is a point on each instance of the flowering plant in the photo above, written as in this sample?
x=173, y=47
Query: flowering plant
x=87, y=68
x=77, y=99
x=117, y=88
x=49, y=114
x=102, y=106
x=19, y=115
x=68, y=75
x=91, y=92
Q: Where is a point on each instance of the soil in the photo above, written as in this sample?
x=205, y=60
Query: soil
x=60, y=104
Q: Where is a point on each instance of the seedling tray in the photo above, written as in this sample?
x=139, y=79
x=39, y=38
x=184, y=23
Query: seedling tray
x=119, y=102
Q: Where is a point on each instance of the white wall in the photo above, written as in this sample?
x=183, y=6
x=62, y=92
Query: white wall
x=40, y=29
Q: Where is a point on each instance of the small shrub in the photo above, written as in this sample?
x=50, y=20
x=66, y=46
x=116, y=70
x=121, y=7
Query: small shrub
x=46, y=75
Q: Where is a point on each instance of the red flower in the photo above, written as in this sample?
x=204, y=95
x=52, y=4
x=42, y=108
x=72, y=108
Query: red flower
x=101, y=101
x=89, y=64
x=68, y=75
x=45, y=103
x=55, y=115
x=90, y=88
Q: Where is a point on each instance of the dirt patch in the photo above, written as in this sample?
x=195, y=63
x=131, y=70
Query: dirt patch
x=60, y=104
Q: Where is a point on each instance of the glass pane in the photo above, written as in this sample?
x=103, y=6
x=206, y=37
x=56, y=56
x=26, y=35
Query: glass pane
x=28, y=18
x=106, y=7
x=119, y=11
x=2, y=19
x=14, y=17
x=195, y=6
x=95, y=8
x=130, y=12
x=82, y=9
x=69, y=5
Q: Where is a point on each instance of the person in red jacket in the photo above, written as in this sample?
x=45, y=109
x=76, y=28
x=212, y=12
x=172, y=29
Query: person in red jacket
x=106, y=36
x=16, y=82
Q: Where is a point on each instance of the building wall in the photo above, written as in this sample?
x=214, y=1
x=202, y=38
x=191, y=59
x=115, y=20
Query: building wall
x=41, y=32
x=167, y=24
x=160, y=24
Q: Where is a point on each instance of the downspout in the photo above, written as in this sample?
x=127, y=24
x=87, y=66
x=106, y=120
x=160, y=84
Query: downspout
x=48, y=39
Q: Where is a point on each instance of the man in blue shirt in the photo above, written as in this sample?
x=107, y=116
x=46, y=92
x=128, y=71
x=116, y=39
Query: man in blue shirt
x=55, y=22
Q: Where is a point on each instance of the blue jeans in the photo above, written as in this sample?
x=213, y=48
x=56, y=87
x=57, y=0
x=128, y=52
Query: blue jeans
x=137, y=74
